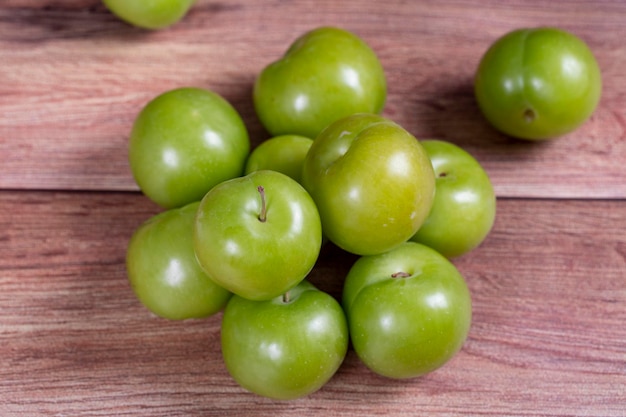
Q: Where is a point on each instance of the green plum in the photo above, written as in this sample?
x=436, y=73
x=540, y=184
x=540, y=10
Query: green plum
x=326, y=74
x=258, y=235
x=286, y=347
x=150, y=14
x=409, y=310
x=538, y=84
x=372, y=182
x=283, y=153
x=163, y=270
x=464, y=209
x=184, y=142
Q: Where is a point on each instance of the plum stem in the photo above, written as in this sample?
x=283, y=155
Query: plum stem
x=286, y=298
x=529, y=115
x=263, y=214
x=400, y=274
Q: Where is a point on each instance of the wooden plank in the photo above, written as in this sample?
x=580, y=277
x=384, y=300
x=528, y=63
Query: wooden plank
x=547, y=339
x=73, y=77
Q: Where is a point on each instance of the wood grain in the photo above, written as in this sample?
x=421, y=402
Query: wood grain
x=547, y=339
x=73, y=77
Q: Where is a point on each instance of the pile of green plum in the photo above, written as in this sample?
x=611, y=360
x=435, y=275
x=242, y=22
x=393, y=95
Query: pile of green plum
x=243, y=228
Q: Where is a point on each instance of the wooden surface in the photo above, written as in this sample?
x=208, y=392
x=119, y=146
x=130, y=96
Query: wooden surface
x=548, y=336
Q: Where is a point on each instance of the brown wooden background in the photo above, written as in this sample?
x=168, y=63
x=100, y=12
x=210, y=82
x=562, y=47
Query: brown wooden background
x=549, y=284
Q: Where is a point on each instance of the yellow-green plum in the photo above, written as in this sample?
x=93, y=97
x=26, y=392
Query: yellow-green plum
x=287, y=347
x=409, y=310
x=163, y=270
x=284, y=153
x=150, y=14
x=326, y=74
x=464, y=209
x=372, y=182
x=538, y=83
x=184, y=142
x=258, y=235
